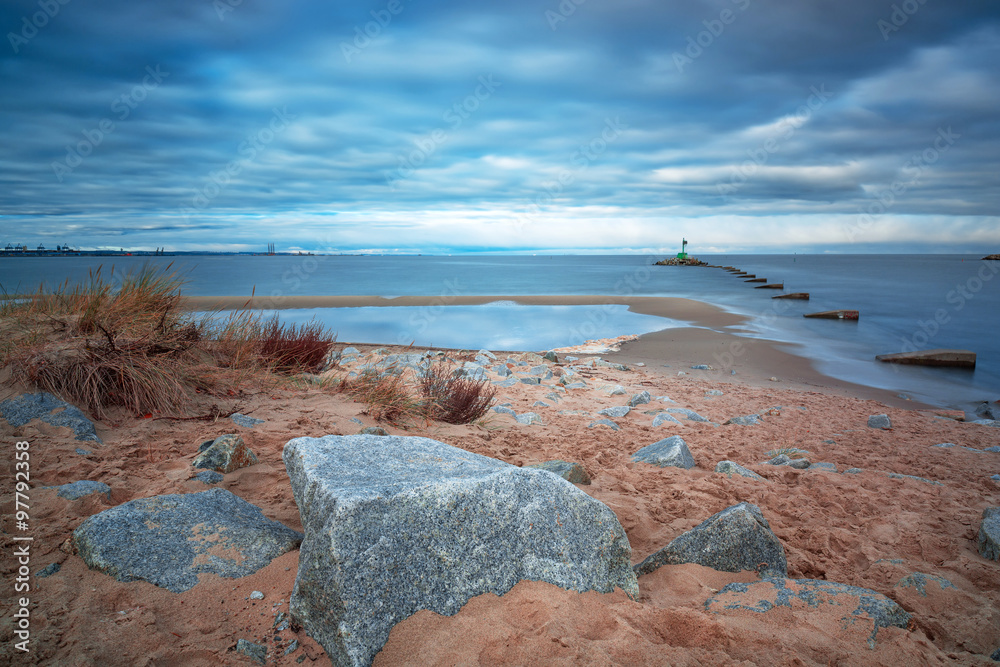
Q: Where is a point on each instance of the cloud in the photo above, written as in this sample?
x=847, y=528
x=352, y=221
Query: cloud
x=388, y=136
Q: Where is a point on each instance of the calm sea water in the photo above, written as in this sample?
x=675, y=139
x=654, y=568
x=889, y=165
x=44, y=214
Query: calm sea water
x=906, y=302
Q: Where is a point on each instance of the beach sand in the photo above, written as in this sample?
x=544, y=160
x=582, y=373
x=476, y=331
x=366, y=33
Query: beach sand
x=865, y=528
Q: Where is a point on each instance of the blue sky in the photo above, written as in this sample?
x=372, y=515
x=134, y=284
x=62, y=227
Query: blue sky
x=447, y=127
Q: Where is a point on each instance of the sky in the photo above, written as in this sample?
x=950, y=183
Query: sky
x=576, y=126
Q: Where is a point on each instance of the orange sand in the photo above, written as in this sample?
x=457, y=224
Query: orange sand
x=862, y=529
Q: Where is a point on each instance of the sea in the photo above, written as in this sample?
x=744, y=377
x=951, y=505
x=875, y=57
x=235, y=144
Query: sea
x=907, y=303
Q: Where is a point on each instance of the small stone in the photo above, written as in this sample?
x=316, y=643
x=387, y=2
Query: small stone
x=823, y=465
x=919, y=581
x=576, y=385
x=292, y=647
x=78, y=490
x=226, y=454
x=256, y=595
x=744, y=420
x=618, y=390
x=209, y=477
x=528, y=418
x=373, y=430
x=853, y=471
x=540, y=404
x=896, y=475
x=48, y=570
x=509, y=382
x=688, y=414
x=531, y=380
x=551, y=356
x=504, y=410
x=665, y=418
x=669, y=452
x=879, y=421
x=571, y=472
x=615, y=412
x=604, y=422
x=728, y=468
x=701, y=367
x=773, y=379
x=639, y=399
x=244, y=420
x=799, y=464
x=255, y=652
x=82, y=452
x=713, y=392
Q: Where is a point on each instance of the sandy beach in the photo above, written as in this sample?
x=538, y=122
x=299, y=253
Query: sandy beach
x=864, y=528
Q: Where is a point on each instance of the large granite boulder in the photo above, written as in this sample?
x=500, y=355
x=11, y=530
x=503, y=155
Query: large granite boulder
x=989, y=534
x=169, y=540
x=398, y=524
x=669, y=452
x=736, y=539
x=20, y=410
x=854, y=607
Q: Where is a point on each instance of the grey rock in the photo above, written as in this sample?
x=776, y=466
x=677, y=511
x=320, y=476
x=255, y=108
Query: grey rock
x=665, y=399
x=986, y=422
x=919, y=581
x=764, y=596
x=394, y=525
x=665, y=418
x=256, y=595
x=617, y=390
x=528, y=418
x=995, y=449
x=205, y=445
x=48, y=570
x=244, y=420
x=799, y=464
x=350, y=351
x=779, y=460
x=641, y=398
x=83, y=488
x=373, y=430
x=728, y=468
x=853, y=471
x=713, y=392
x=471, y=372
x=989, y=411
x=292, y=647
x=542, y=372
x=226, y=454
x=604, y=422
x=553, y=397
x=995, y=656
x=879, y=421
x=576, y=385
x=701, y=367
x=615, y=412
x=572, y=358
x=209, y=477
x=83, y=452
x=669, y=452
x=688, y=414
x=509, y=382
x=540, y=404
x=168, y=540
x=571, y=472
x=995, y=478
x=744, y=420
x=504, y=410
x=551, y=356
x=823, y=465
x=989, y=534
x=600, y=363
x=896, y=475
x=946, y=445
x=486, y=353
x=20, y=410
x=255, y=652
x=502, y=371
x=531, y=380
x=734, y=540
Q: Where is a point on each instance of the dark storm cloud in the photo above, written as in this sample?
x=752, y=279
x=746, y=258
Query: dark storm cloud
x=445, y=125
